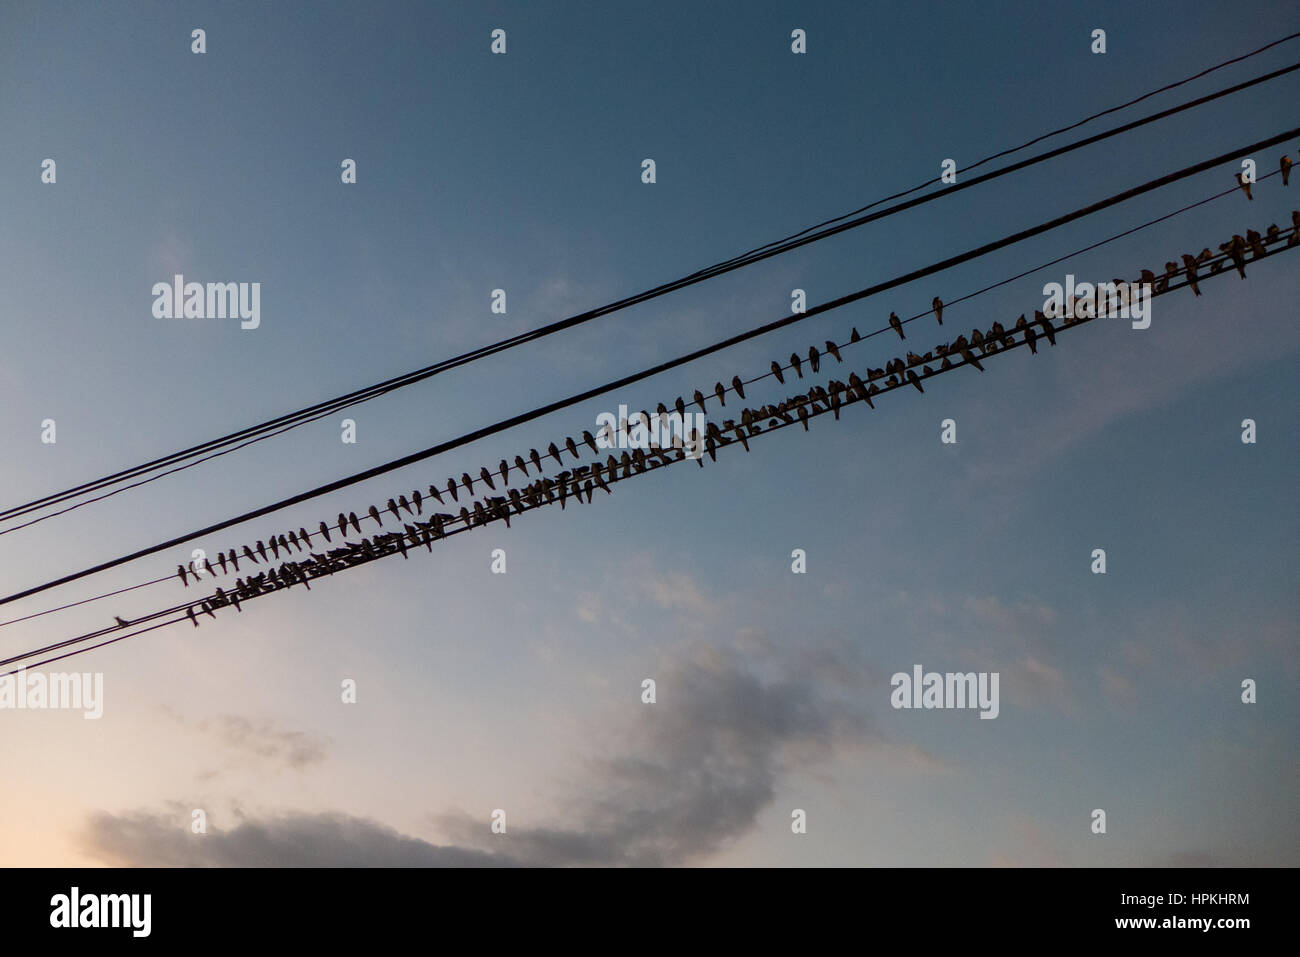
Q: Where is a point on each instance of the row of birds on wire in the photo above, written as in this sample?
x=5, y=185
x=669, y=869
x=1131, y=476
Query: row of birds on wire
x=408, y=512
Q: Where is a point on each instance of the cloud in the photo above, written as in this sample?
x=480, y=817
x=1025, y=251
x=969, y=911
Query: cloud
x=262, y=739
x=686, y=777
x=145, y=839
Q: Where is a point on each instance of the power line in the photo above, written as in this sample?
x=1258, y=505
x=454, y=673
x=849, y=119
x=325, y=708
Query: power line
x=843, y=346
x=302, y=416
x=559, y=404
x=1170, y=286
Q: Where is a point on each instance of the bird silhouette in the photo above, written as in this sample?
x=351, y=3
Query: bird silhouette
x=248, y=553
x=536, y=459
x=275, y=548
x=486, y=476
x=553, y=451
x=721, y=392
x=590, y=439
x=404, y=503
x=853, y=335
x=834, y=350
x=392, y=507
x=938, y=309
x=261, y=550
x=776, y=371
x=293, y=540
x=451, y=490
x=1256, y=243
x=436, y=494
x=304, y=537
x=1244, y=183
x=912, y=378
x=814, y=358
x=1286, y=170
x=896, y=325
x=325, y=529
x=221, y=557
x=1031, y=338
x=374, y=513
x=738, y=385
x=121, y=622
x=180, y=569
x=356, y=523
x=699, y=400
x=1046, y=323
x=797, y=364
x=803, y=416
x=571, y=446
x=1189, y=263
x=468, y=482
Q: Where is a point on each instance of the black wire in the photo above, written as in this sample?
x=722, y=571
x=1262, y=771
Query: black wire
x=325, y=408
x=614, y=479
x=555, y=406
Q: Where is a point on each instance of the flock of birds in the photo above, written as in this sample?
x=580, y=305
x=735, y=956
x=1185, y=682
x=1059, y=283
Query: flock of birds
x=416, y=523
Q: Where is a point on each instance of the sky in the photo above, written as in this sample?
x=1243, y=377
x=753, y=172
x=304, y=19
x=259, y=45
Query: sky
x=522, y=691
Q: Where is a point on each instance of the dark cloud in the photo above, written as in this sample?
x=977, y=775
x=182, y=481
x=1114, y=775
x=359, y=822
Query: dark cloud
x=142, y=839
x=688, y=776
x=262, y=740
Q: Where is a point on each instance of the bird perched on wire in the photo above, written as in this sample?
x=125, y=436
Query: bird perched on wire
x=776, y=371
x=1189, y=263
x=486, y=476
x=1286, y=170
x=374, y=513
x=797, y=364
x=721, y=392
x=833, y=349
x=814, y=358
x=896, y=325
x=1244, y=182
x=937, y=303
x=121, y=622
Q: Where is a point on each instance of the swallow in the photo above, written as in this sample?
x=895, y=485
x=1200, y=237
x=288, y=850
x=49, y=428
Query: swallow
x=1256, y=243
x=248, y=553
x=356, y=523
x=937, y=303
x=853, y=335
x=275, y=548
x=468, y=482
x=590, y=440
x=911, y=377
x=486, y=476
x=404, y=503
x=1235, y=249
x=970, y=357
x=803, y=416
x=221, y=557
x=1148, y=277
x=721, y=392
x=261, y=550
x=374, y=513
x=571, y=446
x=451, y=490
x=1286, y=170
x=814, y=357
x=1046, y=323
x=896, y=325
x=325, y=529
x=1244, y=183
x=776, y=371
x=1189, y=262
x=293, y=539
x=392, y=507
x=304, y=537
x=433, y=491
x=797, y=364
x=1031, y=338
x=189, y=611
x=554, y=452
x=181, y=571
x=699, y=400
x=834, y=350
x=536, y=459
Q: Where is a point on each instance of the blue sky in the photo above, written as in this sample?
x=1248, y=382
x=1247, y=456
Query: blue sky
x=522, y=691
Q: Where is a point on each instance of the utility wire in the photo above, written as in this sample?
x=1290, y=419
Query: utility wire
x=903, y=384
x=311, y=413
x=555, y=406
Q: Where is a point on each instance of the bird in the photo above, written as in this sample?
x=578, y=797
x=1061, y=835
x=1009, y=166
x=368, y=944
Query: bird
x=938, y=309
x=803, y=416
x=405, y=503
x=796, y=363
x=261, y=550
x=834, y=350
x=1031, y=338
x=275, y=548
x=486, y=476
x=896, y=325
x=1286, y=170
x=1244, y=183
x=738, y=385
x=776, y=371
x=248, y=553
x=699, y=400
x=468, y=482
x=911, y=377
x=554, y=452
x=221, y=557
x=436, y=494
x=392, y=507
x=121, y=622
x=374, y=513
x=1047, y=326
x=814, y=357
x=571, y=446
x=304, y=537
x=970, y=357
x=536, y=459
x=1148, y=277
x=325, y=529
x=1189, y=261
x=234, y=559
x=189, y=611
x=590, y=439
x=451, y=490
x=853, y=335
x=1256, y=243
x=721, y=392
x=293, y=539
x=180, y=569
x=356, y=523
